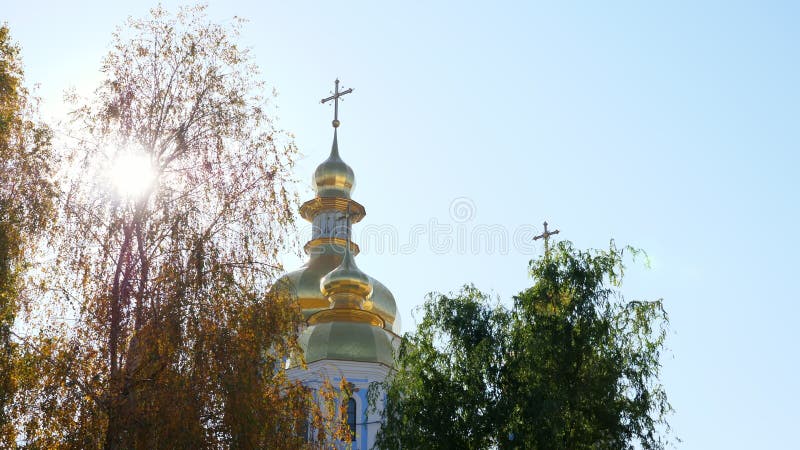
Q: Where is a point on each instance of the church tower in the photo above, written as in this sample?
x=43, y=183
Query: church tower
x=352, y=321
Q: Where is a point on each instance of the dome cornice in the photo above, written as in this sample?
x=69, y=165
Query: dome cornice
x=339, y=242
x=316, y=205
x=346, y=315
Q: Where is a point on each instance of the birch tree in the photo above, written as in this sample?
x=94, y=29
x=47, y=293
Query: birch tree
x=174, y=210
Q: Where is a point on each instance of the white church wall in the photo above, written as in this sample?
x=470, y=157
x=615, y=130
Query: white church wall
x=361, y=375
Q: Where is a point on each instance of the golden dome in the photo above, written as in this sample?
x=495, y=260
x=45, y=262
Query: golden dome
x=346, y=285
x=334, y=178
x=347, y=341
x=304, y=285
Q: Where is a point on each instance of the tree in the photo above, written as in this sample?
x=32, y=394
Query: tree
x=571, y=365
x=26, y=210
x=447, y=388
x=174, y=211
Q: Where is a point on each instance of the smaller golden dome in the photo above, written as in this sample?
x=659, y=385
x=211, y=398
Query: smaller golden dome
x=303, y=285
x=346, y=285
x=334, y=178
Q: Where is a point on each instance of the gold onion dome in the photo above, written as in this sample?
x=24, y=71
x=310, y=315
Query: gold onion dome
x=304, y=286
x=334, y=178
x=346, y=281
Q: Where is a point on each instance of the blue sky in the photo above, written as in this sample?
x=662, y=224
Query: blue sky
x=671, y=126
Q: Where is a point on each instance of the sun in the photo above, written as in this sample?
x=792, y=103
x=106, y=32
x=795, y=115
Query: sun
x=132, y=174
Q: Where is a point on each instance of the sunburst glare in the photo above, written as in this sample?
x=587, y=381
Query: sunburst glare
x=132, y=174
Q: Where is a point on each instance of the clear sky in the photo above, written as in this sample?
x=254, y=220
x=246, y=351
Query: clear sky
x=671, y=126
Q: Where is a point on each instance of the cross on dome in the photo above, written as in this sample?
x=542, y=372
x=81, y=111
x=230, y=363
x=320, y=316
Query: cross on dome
x=335, y=97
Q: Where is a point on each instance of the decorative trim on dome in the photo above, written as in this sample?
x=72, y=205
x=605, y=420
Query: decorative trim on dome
x=311, y=208
x=388, y=321
x=310, y=245
x=313, y=303
x=346, y=315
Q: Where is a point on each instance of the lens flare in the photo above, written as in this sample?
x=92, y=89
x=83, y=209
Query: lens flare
x=132, y=174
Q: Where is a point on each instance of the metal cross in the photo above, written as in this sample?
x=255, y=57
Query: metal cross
x=335, y=98
x=546, y=236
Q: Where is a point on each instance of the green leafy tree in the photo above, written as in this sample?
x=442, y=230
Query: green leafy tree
x=27, y=193
x=446, y=391
x=571, y=365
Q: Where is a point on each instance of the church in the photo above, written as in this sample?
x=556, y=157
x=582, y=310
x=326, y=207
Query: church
x=352, y=324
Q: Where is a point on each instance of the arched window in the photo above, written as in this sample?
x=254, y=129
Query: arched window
x=351, y=418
